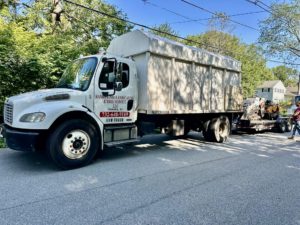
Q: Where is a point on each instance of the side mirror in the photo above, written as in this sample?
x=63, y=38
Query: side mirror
x=118, y=86
x=104, y=59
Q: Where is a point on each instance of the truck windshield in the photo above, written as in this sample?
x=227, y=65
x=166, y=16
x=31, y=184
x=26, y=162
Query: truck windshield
x=78, y=74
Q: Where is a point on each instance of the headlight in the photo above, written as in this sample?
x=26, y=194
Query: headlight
x=33, y=117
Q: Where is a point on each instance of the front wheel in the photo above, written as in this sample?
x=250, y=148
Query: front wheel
x=73, y=144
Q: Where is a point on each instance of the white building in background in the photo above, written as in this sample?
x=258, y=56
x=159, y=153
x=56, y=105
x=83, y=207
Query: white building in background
x=272, y=90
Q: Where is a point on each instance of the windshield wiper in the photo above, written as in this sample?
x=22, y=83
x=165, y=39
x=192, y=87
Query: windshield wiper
x=69, y=86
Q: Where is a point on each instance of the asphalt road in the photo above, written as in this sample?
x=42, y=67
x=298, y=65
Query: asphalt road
x=252, y=179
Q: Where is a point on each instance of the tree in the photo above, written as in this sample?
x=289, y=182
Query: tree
x=20, y=70
x=288, y=76
x=220, y=22
x=87, y=28
x=280, y=32
x=11, y=4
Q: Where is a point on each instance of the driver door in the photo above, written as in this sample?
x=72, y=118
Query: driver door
x=115, y=104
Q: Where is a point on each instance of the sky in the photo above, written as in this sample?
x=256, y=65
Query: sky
x=177, y=13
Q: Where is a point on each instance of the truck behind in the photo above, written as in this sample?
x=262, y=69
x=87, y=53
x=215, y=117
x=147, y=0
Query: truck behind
x=262, y=115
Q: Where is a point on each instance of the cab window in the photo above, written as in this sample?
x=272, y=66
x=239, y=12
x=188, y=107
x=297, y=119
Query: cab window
x=123, y=74
x=108, y=77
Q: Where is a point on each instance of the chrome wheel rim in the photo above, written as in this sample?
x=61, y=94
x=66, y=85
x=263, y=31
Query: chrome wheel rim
x=76, y=144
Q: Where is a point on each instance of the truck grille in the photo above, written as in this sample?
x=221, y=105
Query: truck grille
x=8, y=113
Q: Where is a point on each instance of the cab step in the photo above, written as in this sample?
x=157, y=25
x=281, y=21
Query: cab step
x=116, y=143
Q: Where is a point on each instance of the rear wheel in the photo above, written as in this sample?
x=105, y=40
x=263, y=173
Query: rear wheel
x=187, y=128
x=73, y=144
x=206, y=132
x=218, y=130
x=281, y=127
x=288, y=126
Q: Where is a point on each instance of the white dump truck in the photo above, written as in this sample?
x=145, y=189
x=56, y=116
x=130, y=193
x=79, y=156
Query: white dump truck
x=140, y=84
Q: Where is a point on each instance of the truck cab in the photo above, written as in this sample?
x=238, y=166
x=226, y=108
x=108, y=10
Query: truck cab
x=78, y=117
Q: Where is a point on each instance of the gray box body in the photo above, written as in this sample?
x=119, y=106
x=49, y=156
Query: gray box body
x=175, y=78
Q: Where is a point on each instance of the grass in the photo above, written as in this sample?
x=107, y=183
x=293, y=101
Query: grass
x=2, y=143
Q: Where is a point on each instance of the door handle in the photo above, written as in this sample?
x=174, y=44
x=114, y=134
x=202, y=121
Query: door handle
x=129, y=104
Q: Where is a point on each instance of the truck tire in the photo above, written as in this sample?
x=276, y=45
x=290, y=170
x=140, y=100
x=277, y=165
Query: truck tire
x=219, y=129
x=187, y=129
x=73, y=144
x=206, y=132
x=281, y=127
x=288, y=126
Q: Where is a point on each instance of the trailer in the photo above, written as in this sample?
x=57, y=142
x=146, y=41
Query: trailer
x=261, y=115
x=142, y=83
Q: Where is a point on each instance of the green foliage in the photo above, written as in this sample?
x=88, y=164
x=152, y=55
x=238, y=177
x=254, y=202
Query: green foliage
x=254, y=69
x=34, y=50
x=2, y=143
x=288, y=76
x=10, y=6
x=284, y=106
x=84, y=26
x=20, y=69
x=280, y=32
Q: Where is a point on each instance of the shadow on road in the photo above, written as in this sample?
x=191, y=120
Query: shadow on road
x=265, y=143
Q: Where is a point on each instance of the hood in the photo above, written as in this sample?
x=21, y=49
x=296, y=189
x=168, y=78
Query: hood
x=38, y=94
x=37, y=100
x=43, y=95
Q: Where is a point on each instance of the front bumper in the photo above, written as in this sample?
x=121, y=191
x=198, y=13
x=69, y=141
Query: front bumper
x=19, y=139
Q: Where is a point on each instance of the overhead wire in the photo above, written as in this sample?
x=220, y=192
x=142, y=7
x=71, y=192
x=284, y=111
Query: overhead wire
x=163, y=8
x=264, y=4
x=270, y=9
x=134, y=23
x=256, y=3
x=171, y=11
x=253, y=2
x=216, y=14
x=203, y=19
x=193, y=20
x=156, y=30
x=272, y=12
